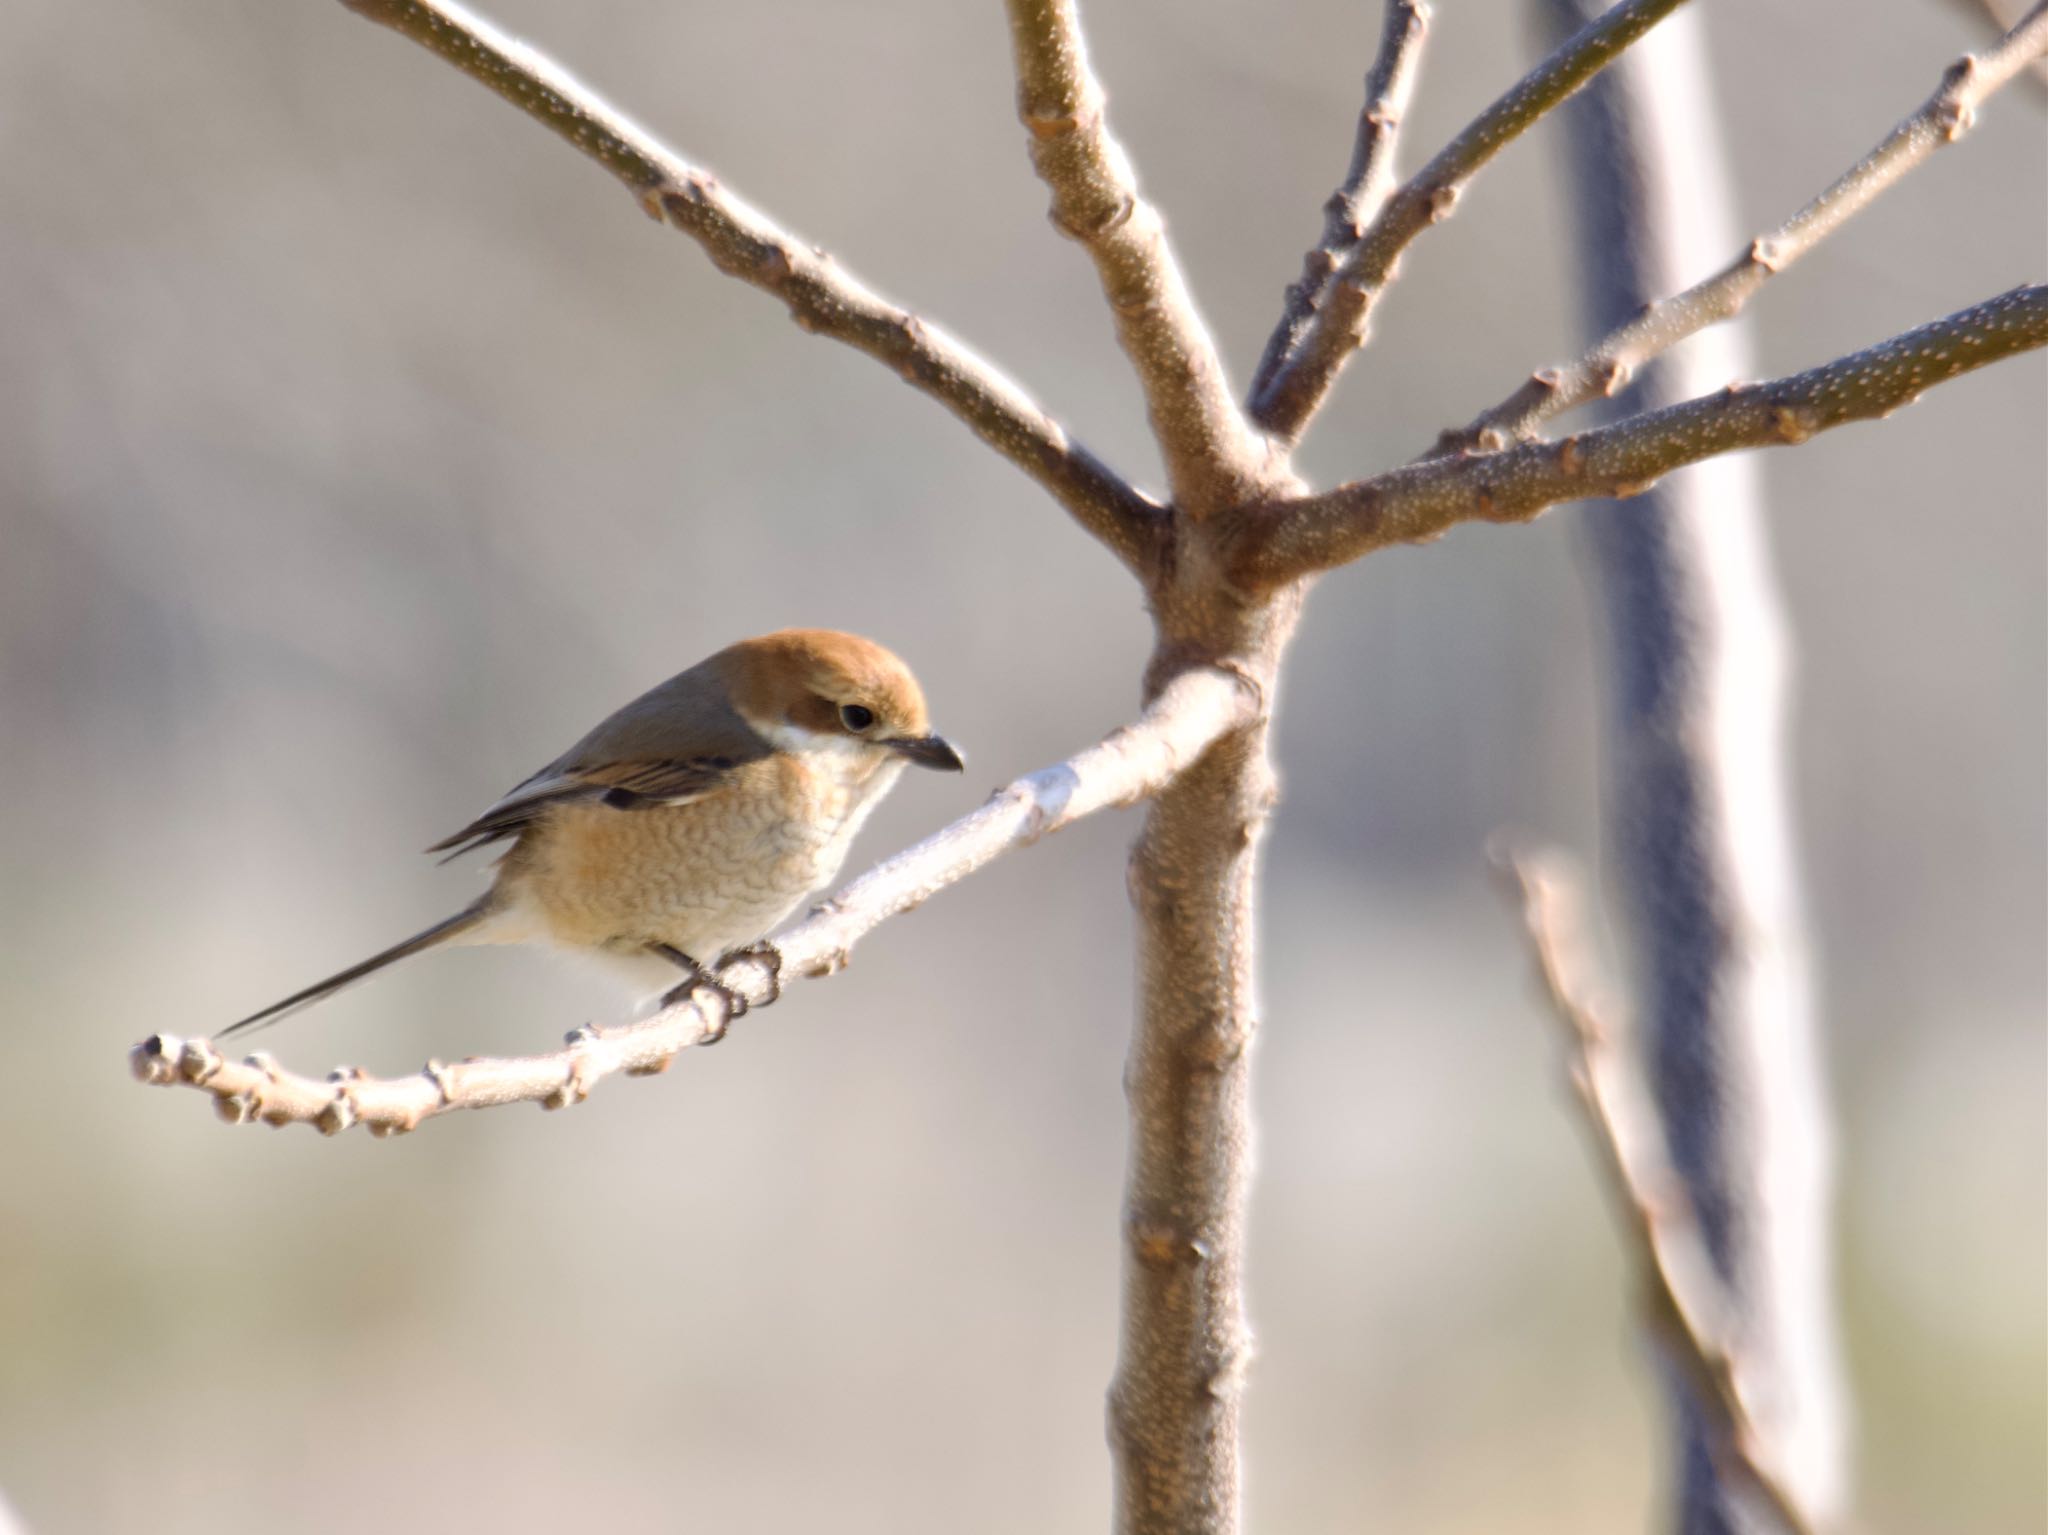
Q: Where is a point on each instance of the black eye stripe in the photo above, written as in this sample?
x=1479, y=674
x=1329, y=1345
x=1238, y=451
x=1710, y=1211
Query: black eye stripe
x=856, y=717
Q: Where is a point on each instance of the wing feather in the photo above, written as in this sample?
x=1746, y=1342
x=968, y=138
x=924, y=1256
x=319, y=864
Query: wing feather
x=621, y=785
x=674, y=743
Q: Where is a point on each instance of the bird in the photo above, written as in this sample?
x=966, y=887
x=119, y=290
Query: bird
x=687, y=825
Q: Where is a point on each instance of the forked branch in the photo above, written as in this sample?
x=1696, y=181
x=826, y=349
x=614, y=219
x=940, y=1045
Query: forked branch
x=1687, y=1308
x=1295, y=388
x=1421, y=501
x=1606, y=369
x=1213, y=458
x=1194, y=710
x=1366, y=185
x=822, y=296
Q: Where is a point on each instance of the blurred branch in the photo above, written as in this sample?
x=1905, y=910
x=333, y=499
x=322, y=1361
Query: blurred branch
x=1295, y=388
x=1213, y=458
x=1193, y=711
x=1945, y=117
x=1366, y=185
x=1687, y=1308
x=1421, y=501
x=822, y=297
x=1695, y=799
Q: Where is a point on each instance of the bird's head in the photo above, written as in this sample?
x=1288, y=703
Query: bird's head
x=819, y=689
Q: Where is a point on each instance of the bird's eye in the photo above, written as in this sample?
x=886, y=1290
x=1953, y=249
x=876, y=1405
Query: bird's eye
x=856, y=718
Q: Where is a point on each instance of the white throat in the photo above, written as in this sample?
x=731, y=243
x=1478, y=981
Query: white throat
x=862, y=771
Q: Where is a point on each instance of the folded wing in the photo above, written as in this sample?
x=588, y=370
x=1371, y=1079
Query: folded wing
x=625, y=786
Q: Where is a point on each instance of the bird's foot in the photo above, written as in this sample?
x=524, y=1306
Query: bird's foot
x=768, y=957
x=733, y=1005
x=700, y=977
x=697, y=978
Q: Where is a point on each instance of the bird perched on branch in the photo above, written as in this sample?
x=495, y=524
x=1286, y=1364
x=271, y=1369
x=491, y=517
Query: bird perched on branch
x=690, y=823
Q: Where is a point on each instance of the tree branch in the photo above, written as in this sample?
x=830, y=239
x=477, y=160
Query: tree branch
x=1419, y=502
x=1687, y=1308
x=1295, y=389
x=1944, y=118
x=1194, y=710
x=1213, y=458
x=1366, y=185
x=821, y=296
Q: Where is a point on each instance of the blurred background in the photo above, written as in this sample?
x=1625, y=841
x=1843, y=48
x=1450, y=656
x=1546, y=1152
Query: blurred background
x=364, y=445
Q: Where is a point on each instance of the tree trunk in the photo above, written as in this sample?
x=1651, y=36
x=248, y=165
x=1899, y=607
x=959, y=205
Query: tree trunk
x=1185, y=1347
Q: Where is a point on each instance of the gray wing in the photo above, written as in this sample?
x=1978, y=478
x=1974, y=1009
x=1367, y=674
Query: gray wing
x=621, y=785
x=673, y=744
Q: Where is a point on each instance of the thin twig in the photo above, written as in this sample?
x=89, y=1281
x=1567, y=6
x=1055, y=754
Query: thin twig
x=1418, y=502
x=1686, y=1305
x=1944, y=118
x=1190, y=714
x=1213, y=458
x=1296, y=388
x=1366, y=185
x=822, y=297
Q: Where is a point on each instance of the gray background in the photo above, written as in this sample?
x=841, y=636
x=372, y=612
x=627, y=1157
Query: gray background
x=363, y=445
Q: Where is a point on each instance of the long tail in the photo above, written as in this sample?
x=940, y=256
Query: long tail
x=439, y=933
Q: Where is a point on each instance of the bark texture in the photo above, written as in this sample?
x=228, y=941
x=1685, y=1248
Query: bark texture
x=1185, y=1342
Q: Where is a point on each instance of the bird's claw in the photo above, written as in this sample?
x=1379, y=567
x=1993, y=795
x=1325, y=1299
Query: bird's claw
x=698, y=977
x=769, y=958
x=734, y=1006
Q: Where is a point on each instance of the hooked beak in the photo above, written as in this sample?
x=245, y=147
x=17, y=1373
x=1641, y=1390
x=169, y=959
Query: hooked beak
x=930, y=751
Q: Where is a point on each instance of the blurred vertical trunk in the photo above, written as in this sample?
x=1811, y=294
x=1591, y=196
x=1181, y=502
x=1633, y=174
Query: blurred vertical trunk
x=1699, y=839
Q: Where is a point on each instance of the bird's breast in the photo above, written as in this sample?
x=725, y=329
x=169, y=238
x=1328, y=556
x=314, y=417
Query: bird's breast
x=705, y=876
